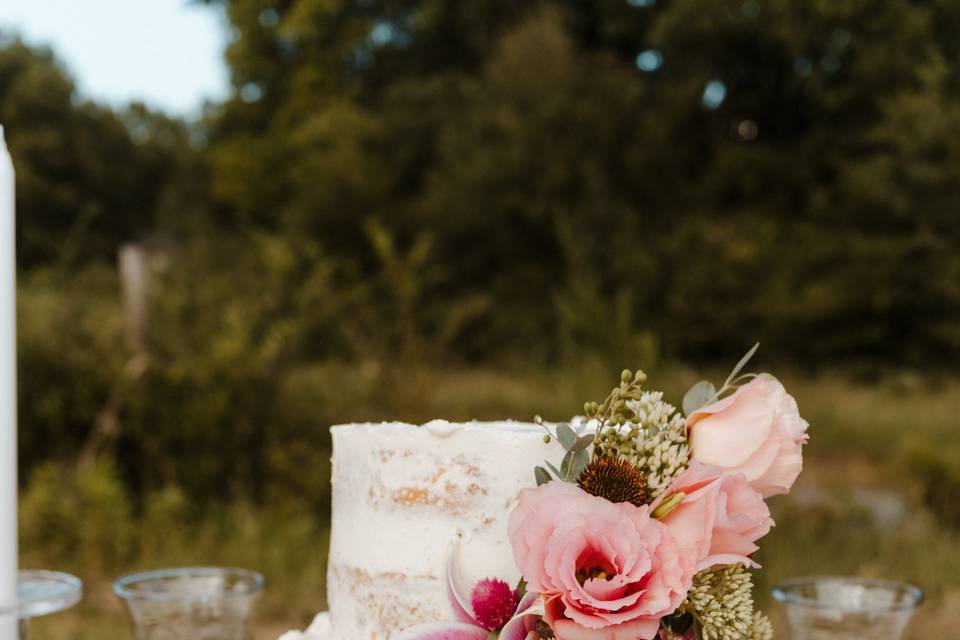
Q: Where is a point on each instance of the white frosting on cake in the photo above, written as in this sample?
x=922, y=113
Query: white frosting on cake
x=402, y=495
x=321, y=629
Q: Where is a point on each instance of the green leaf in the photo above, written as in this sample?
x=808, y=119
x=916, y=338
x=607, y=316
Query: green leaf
x=566, y=436
x=740, y=365
x=743, y=376
x=566, y=466
x=581, y=459
x=556, y=472
x=573, y=464
x=542, y=475
x=583, y=442
x=698, y=396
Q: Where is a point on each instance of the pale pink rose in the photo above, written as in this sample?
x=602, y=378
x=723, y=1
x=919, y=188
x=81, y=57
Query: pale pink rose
x=756, y=431
x=606, y=571
x=720, y=518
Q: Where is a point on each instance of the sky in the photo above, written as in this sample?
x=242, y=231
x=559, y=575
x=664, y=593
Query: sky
x=165, y=53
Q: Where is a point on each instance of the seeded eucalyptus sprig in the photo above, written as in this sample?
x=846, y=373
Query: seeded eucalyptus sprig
x=613, y=410
x=576, y=444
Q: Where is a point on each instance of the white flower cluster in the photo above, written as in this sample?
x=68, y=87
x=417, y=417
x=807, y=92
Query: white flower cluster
x=721, y=601
x=659, y=433
x=650, y=411
x=762, y=627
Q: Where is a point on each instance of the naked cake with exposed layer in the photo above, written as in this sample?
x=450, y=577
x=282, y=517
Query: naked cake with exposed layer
x=401, y=494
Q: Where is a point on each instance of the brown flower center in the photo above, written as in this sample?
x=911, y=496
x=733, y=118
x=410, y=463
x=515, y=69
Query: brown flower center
x=615, y=480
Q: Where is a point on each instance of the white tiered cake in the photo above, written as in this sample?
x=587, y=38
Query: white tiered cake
x=402, y=494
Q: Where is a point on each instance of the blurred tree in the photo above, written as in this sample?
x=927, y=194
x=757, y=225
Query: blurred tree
x=291, y=150
x=789, y=102
x=540, y=196
x=638, y=165
x=233, y=319
x=902, y=192
x=71, y=356
x=87, y=179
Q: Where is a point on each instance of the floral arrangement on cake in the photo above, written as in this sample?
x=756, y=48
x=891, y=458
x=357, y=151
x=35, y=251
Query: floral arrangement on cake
x=647, y=527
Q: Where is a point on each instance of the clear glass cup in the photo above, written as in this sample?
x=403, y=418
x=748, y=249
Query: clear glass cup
x=846, y=608
x=202, y=603
x=39, y=593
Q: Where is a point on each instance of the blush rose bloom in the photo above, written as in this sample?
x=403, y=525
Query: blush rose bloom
x=756, y=431
x=606, y=571
x=720, y=517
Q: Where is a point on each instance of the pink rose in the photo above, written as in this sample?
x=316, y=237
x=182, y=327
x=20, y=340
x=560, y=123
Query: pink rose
x=720, y=517
x=606, y=571
x=756, y=431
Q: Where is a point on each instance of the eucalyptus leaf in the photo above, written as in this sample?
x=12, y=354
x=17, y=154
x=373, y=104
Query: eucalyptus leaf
x=556, y=472
x=740, y=365
x=542, y=475
x=566, y=436
x=743, y=376
x=583, y=442
x=698, y=396
x=566, y=467
x=581, y=459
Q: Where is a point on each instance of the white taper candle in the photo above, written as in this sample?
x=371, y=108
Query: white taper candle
x=8, y=391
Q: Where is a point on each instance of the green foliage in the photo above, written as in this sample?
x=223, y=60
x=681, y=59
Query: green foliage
x=84, y=515
x=577, y=206
x=71, y=357
x=225, y=369
x=88, y=179
x=576, y=458
x=935, y=467
x=499, y=181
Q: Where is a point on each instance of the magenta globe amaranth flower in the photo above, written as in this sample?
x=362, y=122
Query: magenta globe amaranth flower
x=494, y=603
x=490, y=607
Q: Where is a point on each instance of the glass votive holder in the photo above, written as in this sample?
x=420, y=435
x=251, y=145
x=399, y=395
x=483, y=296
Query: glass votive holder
x=200, y=603
x=39, y=593
x=847, y=608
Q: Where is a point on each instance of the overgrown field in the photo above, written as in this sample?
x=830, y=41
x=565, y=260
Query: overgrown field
x=877, y=497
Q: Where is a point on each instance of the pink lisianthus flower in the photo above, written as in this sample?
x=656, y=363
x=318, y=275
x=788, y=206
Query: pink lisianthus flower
x=490, y=606
x=719, y=518
x=605, y=571
x=756, y=431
